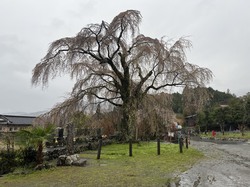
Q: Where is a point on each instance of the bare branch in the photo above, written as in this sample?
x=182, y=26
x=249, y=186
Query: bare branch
x=114, y=64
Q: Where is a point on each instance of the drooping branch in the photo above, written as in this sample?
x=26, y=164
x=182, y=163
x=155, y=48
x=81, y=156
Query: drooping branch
x=113, y=64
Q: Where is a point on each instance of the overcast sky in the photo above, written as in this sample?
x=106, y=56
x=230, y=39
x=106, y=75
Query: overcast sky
x=219, y=31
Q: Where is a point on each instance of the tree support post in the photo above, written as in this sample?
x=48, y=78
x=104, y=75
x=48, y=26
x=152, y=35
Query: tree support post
x=99, y=149
x=186, y=142
x=158, y=146
x=180, y=144
x=130, y=147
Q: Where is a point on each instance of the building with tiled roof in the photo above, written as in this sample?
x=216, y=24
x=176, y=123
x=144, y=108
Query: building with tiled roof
x=13, y=123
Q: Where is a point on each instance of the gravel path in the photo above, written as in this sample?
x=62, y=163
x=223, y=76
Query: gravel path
x=225, y=165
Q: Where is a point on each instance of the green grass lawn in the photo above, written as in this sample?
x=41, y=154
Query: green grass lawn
x=115, y=168
x=226, y=135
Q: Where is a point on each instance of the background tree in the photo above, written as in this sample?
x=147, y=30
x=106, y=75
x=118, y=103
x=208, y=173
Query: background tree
x=114, y=64
x=241, y=112
x=222, y=116
x=246, y=124
x=177, y=103
x=194, y=100
x=80, y=120
x=219, y=98
x=8, y=139
x=35, y=137
x=210, y=117
x=153, y=116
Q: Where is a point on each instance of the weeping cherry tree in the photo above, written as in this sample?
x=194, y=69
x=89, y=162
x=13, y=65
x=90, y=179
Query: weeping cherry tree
x=113, y=64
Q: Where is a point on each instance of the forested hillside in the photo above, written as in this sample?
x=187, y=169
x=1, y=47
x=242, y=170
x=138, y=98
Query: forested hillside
x=221, y=111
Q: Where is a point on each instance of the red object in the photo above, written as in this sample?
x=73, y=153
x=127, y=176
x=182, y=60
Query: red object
x=213, y=133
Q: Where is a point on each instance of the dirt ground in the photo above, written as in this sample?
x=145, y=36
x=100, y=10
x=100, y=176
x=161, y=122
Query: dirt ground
x=225, y=165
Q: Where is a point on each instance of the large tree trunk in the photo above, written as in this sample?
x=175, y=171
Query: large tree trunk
x=128, y=119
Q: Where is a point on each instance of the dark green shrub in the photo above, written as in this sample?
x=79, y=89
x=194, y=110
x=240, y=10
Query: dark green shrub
x=7, y=161
x=28, y=156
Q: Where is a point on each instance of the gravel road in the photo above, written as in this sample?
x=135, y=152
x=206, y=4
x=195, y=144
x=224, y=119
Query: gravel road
x=225, y=165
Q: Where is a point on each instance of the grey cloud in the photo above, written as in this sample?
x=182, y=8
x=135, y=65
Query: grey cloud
x=218, y=29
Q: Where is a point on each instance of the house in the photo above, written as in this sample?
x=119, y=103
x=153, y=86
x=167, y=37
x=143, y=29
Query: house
x=13, y=123
x=191, y=120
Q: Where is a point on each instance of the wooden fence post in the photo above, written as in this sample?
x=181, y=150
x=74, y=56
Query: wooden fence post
x=130, y=147
x=99, y=149
x=180, y=144
x=158, y=146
